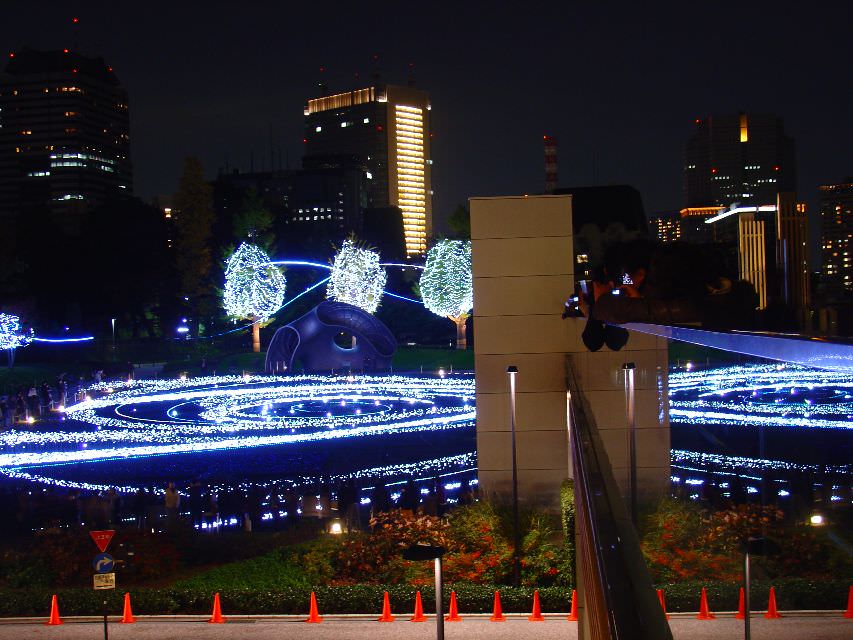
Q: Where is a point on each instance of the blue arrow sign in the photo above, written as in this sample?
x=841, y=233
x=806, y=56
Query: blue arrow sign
x=103, y=563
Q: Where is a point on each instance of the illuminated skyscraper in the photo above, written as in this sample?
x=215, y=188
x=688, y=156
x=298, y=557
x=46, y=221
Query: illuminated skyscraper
x=745, y=158
x=387, y=128
x=836, y=212
x=665, y=227
x=64, y=134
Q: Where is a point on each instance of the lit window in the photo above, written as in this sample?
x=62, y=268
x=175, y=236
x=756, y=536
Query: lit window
x=344, y=124
x=318, y=129
x=369, y=176
x=366, y=121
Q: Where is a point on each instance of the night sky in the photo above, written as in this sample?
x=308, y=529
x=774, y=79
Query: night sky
x=619, y=87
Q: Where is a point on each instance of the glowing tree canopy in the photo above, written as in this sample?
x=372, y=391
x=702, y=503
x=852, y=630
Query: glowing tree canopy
x=254, y=288
x=446, y=283
x=12, y=335
x=357, y=278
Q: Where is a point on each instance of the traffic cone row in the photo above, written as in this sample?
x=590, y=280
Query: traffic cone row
x=453, y=615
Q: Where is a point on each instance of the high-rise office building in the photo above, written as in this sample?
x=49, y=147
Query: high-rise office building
x=744, y=158
x=836, y=212
x=64, y=134
x=792, y=231
x=388, y=128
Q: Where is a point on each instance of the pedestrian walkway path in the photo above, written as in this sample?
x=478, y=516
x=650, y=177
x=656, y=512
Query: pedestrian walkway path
x=793, y=626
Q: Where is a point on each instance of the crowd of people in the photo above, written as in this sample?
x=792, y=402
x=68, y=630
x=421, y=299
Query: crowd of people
x=30, y=507
x=27, y=403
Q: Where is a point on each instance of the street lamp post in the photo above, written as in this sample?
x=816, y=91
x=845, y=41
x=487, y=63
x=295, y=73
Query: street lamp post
x=629, y=368
x=512, y=372
x=113, y=322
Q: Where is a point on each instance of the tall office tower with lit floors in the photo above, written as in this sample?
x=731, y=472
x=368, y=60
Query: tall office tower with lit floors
x=64, y=136
x=388, y=128
x=744, y=158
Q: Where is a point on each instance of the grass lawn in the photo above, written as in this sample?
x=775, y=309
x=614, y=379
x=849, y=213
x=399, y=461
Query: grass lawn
x=272, y=570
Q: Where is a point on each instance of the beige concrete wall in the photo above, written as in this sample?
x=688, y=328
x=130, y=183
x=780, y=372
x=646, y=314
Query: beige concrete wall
x=523, y=263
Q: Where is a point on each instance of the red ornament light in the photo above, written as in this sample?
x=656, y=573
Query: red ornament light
x=65, y=51
x=11, y=55
x=75, y=20
x=304, y=140
x=775, y=168
x=714, y=170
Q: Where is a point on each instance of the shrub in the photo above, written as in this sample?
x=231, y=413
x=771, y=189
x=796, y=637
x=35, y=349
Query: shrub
x=722, y=596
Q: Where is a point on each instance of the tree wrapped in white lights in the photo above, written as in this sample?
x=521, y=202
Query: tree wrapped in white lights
x=12, y=335
x=254, y=288
x=357, y=278
x=447, y=285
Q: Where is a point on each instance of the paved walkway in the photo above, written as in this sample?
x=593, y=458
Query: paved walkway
x=792, y=626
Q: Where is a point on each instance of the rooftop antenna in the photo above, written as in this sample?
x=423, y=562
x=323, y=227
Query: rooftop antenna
x=322, y=83
x=550, y=163
x=411, y=74
x=75, y=33
x=375, y=69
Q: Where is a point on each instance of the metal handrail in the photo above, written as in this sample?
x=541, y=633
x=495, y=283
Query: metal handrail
x=809, y=351
x=620, y=600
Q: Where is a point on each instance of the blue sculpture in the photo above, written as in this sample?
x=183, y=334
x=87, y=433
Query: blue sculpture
x=311, y=340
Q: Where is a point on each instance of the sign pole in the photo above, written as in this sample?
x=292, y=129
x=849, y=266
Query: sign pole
x=439, y=601
x=746, y=610
x=106, y=633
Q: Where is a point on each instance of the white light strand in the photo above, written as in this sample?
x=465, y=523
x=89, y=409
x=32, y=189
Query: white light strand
x=12, y=336
x=254, y=288
x=357, y=277
x=265, y=410
x=446, y=283
x=763, y=395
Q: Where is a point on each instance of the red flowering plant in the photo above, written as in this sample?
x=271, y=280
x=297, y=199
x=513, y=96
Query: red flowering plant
x=675, y=547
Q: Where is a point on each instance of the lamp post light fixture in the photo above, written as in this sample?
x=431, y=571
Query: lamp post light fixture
x=512, y=372
x=629, y=369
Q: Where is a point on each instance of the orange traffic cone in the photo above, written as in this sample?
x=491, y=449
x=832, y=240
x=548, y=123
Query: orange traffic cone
x=498, y=614
x=313, y=613
x=419, y=609
x=741, y=608
x=127, y=616
x=216, y=618
x=704, y=614
x=454, y=616
x=849, y=612
x=772, y=613
x=573, y=613
x=54, y=612
x=386, y=610
x=536, y=616
x=662, y=601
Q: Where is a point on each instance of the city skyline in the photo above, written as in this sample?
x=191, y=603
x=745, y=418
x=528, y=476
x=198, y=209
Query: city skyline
x=620, y=90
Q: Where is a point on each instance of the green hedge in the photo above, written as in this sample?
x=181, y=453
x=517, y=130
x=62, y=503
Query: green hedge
x=790, y=594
